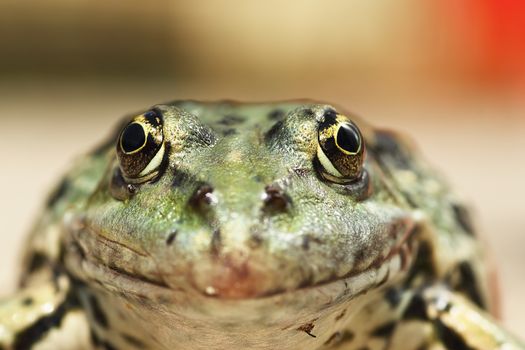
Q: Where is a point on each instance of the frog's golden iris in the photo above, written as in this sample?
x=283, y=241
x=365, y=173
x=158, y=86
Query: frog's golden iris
x=341, y=150
x=140, y=149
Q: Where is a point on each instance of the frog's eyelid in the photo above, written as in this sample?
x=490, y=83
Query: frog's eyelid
x=326, y=163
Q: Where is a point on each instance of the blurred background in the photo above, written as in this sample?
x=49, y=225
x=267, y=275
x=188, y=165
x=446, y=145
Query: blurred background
x=451, y=73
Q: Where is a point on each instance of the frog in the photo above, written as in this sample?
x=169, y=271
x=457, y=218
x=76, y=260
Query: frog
x=292, y=225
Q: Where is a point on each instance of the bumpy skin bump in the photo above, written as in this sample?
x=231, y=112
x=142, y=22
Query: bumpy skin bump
x=241, y=241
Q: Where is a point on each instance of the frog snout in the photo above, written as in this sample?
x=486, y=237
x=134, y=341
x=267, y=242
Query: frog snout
x=235, y=262
x=271, y=200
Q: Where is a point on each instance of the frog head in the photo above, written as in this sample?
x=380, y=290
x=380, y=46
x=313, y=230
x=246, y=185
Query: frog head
x=248, y=212
x=232, y=202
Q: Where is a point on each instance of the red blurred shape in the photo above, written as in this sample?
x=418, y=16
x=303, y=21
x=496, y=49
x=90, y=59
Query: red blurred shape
x=490, y=35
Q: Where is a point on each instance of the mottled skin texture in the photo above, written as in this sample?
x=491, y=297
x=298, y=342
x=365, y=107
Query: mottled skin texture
x=242, y=238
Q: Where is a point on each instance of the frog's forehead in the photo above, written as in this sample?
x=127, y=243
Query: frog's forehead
x=289, y=127
x=226, y=116
x=240, y=210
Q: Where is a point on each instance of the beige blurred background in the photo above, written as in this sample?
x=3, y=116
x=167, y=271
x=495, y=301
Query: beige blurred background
x=451, y=73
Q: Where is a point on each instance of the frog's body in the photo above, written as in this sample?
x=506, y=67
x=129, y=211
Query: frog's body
x=253, y=226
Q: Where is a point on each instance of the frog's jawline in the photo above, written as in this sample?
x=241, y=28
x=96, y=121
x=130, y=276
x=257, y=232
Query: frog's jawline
x=398, y=260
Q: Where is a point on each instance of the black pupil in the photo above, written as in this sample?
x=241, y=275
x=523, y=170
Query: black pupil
x=133, y=137
x=348, y=138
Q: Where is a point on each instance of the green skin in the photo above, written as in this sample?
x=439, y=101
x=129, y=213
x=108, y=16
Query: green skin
x=242, y=239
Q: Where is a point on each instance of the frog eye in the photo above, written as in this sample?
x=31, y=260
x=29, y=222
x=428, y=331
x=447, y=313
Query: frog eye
x=140, y=147
x=341, y=150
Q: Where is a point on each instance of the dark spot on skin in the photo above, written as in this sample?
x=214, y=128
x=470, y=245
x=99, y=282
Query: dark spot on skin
x=275, y=200
x=202, y=197
x=423, y=347
x=276, y=114
x=216, y=242
x=256, y=238
x=405, y=254
x=38, y=260
x=330, y=114
x=108, y=346
x=307, y=239
x=204, y=137
x=463, y=279
x=134, y=341
x=274, y=130
x=360, y=255
x=28, y=301
x=94, y=338
x=171, y=238
x=384, y=330
x=308, y=112
x=341, y=315
x=334, y=338
x=307, y=328
x=447, y=307
x=423, y=264
x=301, y=172
x=231, y=119
x=180, y=179
x=56, y=273
x=99, y=343
x=58, y=193
x=386, y=146
x=450, y=338
x=463, y=218
x=306, y=243
x=96, y=311
x=364, y=348
x=416, y=309
x=347, y=336
x=229, y=132
x=393, y=297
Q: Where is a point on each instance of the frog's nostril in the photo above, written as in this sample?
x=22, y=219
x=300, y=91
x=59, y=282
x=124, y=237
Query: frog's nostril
x=275, y=200
x=203, y=197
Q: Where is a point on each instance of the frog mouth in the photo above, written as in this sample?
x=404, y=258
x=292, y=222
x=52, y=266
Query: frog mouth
x=135, y=279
